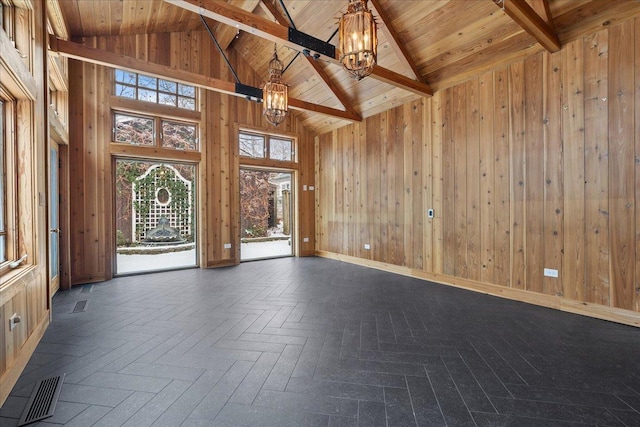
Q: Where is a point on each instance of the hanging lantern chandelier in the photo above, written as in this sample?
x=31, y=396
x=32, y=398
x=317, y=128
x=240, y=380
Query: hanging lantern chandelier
x=275, y=99
x=358, y=40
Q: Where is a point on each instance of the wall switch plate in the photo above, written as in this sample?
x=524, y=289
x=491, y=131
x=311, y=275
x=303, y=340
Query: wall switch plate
x=550, y=272
x=227, y=245
x=304, y=187
x=306, y=239
x=367, y=246
x=311, y=188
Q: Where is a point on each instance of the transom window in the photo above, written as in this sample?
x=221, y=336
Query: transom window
x=145, y=130
x=151, y=89
x=266, y=147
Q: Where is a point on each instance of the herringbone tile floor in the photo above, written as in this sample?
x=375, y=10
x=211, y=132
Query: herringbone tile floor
x=310, y=341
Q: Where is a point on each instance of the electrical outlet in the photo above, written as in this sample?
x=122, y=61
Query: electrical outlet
x=304, y=188
x=550, y=272
x=227, y=245
x=13, y=321
x=311, y=188
x=305, y=240
x=367, y=246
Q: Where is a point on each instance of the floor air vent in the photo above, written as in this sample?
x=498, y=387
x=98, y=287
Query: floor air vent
x=80, y=306
x=43, y=400
x=86, y=289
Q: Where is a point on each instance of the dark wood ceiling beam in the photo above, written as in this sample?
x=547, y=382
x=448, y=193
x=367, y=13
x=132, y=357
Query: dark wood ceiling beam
x=322, y=73
x=531, y=22
x=261, y=27
x=109, y=59
x=395, y=43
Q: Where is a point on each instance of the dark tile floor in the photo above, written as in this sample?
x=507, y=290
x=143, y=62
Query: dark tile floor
x=306, y=342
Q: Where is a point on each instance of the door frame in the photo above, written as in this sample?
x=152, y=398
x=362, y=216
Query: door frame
x=196, y=211
x=294, y=208
x=53, y=213
x=59, y=139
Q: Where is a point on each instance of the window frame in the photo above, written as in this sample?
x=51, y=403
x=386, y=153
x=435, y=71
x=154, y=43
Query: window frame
x=267, y=146
x=157, y=90
x=10, y=196
x=157, y=134
x=154, y=132
x=8, y=21
x=163, y=120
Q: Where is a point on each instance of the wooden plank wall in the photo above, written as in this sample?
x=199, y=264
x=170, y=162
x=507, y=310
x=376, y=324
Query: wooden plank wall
x=222, y=115
x=530, y=166
x=24, y=291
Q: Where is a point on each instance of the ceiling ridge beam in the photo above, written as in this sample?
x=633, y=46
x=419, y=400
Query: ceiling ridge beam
x=106, y=58
x=396, y=44
x=339, y=94
x=262, y=27
x=531, y=22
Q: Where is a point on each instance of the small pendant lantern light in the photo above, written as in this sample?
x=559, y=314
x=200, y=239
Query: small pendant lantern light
x=358, y=39
x=275, y=100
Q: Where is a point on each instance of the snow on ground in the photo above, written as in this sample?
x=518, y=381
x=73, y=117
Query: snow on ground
x=248, y=251
x=257, y=250
x=138, y=263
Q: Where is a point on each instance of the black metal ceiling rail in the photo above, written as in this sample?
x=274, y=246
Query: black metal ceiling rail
x=219, y=48
x=286, y=12
x=306, y=52
x=250, y=92
x=333, y=35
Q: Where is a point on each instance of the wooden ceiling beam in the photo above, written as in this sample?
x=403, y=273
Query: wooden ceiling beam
x=226, y=34
x=228, y=14
x=531, y=22
x=395, y=43
x=322, y=73
x=542, y=8
x=109, y=59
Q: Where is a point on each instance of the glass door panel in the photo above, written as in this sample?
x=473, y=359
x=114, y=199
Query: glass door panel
x=266, y=214
x=155, y=216
x=54, y=219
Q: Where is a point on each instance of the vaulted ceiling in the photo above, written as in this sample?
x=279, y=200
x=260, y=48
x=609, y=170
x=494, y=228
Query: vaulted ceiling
x=424, y=45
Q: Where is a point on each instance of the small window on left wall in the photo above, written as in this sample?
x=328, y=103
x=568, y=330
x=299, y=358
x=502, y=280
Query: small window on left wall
x=9, y=245
x=3, y=189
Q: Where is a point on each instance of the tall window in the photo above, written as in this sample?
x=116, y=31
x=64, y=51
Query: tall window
x=267, y=147
x=17, y=144
x=3, y=188
x=8, y=186
x=151, y=89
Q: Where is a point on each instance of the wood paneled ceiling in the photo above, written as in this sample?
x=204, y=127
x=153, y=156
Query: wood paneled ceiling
x=443, y=41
